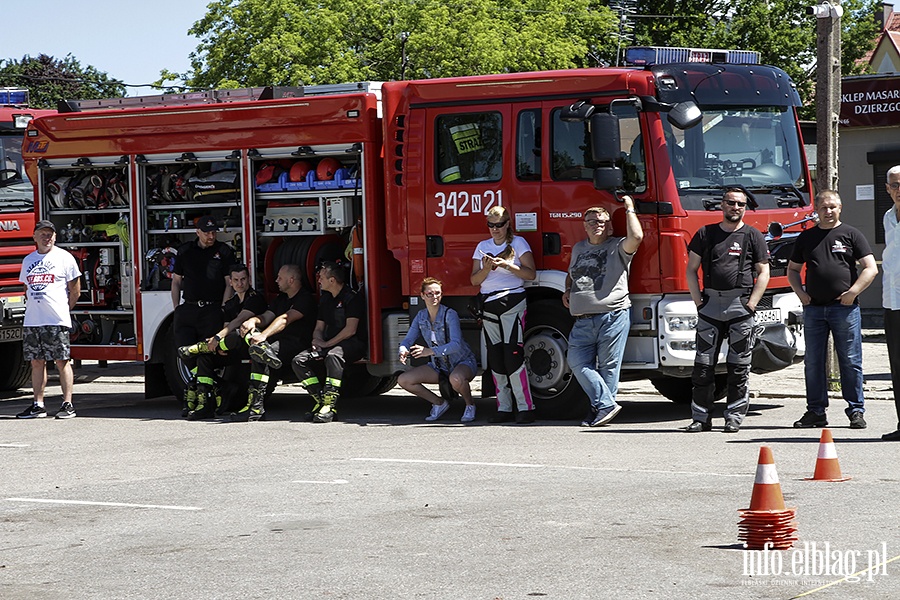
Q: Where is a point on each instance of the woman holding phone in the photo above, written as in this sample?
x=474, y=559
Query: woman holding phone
x=451, y=357
x=500, y=264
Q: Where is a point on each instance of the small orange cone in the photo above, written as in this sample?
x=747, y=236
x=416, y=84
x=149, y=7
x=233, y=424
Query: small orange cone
x=827, y=467
x=766, y=489
x=767, y=521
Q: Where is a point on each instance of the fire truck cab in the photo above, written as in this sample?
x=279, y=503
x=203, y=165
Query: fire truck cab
x=395, y=179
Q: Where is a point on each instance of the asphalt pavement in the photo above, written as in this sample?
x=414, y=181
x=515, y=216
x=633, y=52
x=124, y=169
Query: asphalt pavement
x=128, y=500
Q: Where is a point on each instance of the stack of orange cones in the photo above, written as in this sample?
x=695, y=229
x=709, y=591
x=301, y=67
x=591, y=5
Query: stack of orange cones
x=767, y=524
x=827, y=467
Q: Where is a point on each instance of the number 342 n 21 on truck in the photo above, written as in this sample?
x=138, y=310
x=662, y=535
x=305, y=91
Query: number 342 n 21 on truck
x=397, y=177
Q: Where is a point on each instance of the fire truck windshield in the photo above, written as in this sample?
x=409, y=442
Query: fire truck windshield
x=758, y=148
x=16, y=192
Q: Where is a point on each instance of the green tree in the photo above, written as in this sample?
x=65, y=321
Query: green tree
x=50, y=80
x=290, y=42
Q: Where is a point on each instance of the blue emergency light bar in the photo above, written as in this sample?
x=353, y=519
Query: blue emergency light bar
x=14, y=96
x=645, y=56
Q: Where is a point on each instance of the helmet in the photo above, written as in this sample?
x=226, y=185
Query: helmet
x=299, y=170
x=326, y=169
x=268, y=171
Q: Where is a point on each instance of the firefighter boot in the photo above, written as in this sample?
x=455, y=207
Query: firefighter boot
x=189, y=400
x=193, y=350
x=221, y=402
x=263, y=353
x=254, y=410
x=328, y=410
x=205, y=405
x=316, y=396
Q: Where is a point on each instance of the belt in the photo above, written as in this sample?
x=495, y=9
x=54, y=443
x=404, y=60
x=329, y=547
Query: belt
x=200, y=303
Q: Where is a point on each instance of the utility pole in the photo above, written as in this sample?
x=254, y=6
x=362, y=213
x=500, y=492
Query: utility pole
x=828, y=91
x=828, y=108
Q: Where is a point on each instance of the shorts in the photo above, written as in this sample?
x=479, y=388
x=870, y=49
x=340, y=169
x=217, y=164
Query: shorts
x=46, y=342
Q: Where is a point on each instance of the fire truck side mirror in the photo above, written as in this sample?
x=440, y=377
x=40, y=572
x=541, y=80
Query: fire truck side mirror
x=605, y=144
x=608, y=178
x=685, y=115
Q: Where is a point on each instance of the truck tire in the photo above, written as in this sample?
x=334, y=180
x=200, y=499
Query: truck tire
x=556, y=393
x=680, y=389
x=15, y=372
x=177, y=374
x=359, y=383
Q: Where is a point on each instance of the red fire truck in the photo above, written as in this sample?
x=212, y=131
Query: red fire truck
x=397, y=177
x=16, y=224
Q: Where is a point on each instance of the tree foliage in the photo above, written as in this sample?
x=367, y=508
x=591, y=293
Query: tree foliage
x=50, y=79
x=290, y=42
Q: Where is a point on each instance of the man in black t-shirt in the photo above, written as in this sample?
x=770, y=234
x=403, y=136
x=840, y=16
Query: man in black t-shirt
x=830, y=251
x=286, y=329
x=201, y=273
x=339, y=338
x=226, y=347
x=730, y=253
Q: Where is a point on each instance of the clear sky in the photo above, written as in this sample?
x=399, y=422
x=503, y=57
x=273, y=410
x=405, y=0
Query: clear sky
x=131, y=40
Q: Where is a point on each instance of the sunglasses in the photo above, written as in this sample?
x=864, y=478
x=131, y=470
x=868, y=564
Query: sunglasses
x=595, y=222
x=894, y=185
x=735, y=203
x=433, y=294
x=496, y=225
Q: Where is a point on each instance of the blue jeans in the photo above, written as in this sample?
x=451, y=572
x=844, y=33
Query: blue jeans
x=845, y=324
x=596, y=348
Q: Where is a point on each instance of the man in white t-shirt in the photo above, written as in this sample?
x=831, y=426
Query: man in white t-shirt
x=597, y=296
x=52, y=284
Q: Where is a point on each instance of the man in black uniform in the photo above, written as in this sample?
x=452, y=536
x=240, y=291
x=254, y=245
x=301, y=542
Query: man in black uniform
x=286, y=329
x=339, y=338
x=227, y=347
x=830, y=251
x=729, y=252
x=201, y=272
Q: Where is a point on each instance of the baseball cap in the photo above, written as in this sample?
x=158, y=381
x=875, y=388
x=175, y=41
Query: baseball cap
x=207, y=224
x=44, y=224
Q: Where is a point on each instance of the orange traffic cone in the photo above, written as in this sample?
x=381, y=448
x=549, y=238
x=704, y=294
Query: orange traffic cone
x=767, y=521
x=766, y=489
x=827, y=467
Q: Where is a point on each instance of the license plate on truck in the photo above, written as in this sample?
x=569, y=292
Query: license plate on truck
x=771, y=315
x=11, y=334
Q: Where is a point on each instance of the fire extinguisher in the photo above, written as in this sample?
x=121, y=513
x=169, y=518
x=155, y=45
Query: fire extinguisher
x=355, y=253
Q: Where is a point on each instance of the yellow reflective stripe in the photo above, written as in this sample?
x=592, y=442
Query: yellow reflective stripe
x=466, y=137
x=333, y=382
x=222, y=345
x=259, y=376
x=310, y=381
x=207, y=380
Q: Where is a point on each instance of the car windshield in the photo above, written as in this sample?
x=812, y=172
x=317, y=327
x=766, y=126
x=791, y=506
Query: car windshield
x=16, y=192
x=757, y=148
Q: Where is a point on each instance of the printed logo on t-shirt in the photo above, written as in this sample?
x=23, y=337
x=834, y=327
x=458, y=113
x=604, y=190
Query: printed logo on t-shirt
x=40, y=277
x=839, y=248
x=735, y=249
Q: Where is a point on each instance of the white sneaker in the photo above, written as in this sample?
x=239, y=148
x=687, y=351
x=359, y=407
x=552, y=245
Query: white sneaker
x=437, y=411
x=468, y=414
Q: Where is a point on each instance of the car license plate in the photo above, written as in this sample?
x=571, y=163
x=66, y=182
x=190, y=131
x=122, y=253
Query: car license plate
x=772, y=315
x=11, y=334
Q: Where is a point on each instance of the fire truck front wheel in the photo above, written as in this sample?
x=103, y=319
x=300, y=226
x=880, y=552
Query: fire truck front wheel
x=15, y=371
x=556, y=392
x=680, y=389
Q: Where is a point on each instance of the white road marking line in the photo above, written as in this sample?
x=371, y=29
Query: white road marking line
x=335, y=482
x=538, y=466
x=14, y=445
x=116, y=504
x=451, y=462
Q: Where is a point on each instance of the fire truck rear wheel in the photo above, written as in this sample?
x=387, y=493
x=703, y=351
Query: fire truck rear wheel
x=16, y=372
x=556, y=392
x=680, y=389
x=177, y=374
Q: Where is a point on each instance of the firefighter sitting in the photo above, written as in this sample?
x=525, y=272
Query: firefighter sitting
x=227, y=347
x=286, y=329
x=339, y=338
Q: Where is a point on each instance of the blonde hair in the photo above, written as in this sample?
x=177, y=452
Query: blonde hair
x=430, y=281
x=601, y=212
x=500, y=212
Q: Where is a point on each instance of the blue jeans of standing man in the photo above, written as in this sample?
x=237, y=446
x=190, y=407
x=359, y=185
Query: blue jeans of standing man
x=845, y=324
x=596, y=348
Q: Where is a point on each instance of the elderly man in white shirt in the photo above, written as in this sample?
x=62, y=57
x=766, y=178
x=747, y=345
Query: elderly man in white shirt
x=890, y=262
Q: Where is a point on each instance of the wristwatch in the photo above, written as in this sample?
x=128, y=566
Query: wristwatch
x=217, y=338
x=630, y=210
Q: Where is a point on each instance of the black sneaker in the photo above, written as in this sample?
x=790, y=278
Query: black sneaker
x=811, y=419
x=589, y=418
x=856, y=420
x=33, y=412
x=502, y=416
x=605, y=416
x=893, y=436
x=66, y=411
x=698, y=426
x=263, y=353
x=525, y=417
